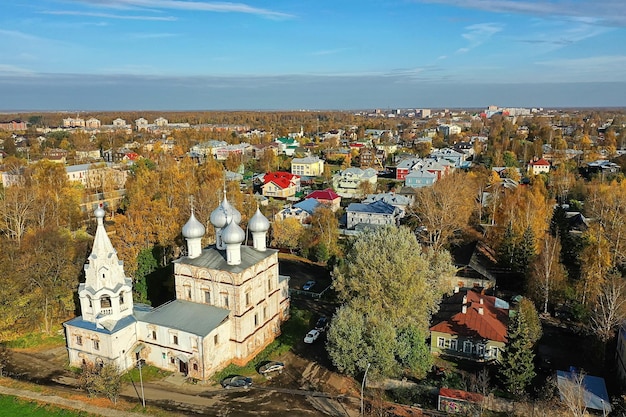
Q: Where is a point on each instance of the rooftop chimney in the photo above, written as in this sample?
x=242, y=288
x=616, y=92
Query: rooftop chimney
x=464, y=309
x=482, y=301
x=480, y=311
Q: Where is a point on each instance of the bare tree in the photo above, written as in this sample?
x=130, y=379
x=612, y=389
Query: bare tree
x=444, y=208
x=610, y=308
x=548, y=274
x=572, y=390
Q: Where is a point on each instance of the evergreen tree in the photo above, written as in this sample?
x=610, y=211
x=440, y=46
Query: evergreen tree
x=506, y=251
x=525, y=252
x=518, y=368
x=146, y=264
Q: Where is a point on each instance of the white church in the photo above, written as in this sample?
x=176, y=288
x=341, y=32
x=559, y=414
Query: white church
x=230, y=303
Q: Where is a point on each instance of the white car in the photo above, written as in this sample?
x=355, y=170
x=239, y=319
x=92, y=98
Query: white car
x=311, y=336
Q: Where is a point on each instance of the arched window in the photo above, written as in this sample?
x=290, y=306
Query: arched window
x=105, y=301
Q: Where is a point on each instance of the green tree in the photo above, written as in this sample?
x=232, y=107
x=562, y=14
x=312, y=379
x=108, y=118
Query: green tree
x=518, y=369
x=530, y=320
x=146, y=264
x=390, y=289
x=346, y=342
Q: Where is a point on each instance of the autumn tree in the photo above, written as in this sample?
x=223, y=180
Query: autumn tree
x=444, y=208
x=596, y=262
x=524, y=208
x=321, y=238
x=16, y=211
x=15, y=297
x=609, y=307
x=606, y=204
x=286, y=233
x=547, y=273
x=105, y=379
x=51, y=260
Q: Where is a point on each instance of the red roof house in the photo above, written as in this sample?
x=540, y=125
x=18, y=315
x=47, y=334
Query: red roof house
x=539, y=166
x=470, y=324
x=327, y=197
x=280, y=184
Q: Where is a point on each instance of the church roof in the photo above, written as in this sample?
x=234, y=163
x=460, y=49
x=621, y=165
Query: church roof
x=110, y=327
x=186, y=316
x=215, y=259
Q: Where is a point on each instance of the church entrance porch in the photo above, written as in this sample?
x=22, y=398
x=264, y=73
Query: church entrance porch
x=183, y=367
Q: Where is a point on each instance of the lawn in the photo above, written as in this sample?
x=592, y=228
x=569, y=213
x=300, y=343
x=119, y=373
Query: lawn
x=13, y=406
x=37, y=340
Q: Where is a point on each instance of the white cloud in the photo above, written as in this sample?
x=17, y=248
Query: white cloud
x=200, y=6
x=608, y=12
x=604, y=67
x=109, y=15
x=478, y=34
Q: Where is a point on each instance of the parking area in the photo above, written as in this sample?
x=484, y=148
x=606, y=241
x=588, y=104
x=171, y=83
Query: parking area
x=302, y=271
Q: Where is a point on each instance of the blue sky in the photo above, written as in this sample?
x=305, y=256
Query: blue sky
x=297, y=54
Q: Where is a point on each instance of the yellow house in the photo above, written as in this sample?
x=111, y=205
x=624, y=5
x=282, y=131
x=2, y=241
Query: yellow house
x=311, y=166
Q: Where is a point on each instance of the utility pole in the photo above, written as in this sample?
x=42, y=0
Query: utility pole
x=143, y=396
x=363, y=385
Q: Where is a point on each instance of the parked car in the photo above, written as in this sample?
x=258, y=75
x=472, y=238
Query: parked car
x=322, y=324
x=311, y=336
x=270, y=367
x=237, y=381
x=308, y=285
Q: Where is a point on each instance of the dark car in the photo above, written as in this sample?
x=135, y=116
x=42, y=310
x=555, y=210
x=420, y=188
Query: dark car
x=270, y=367
x=322, y=323
x=237, y=381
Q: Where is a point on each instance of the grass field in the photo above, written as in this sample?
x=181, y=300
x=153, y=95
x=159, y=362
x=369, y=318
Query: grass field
x=13, y=406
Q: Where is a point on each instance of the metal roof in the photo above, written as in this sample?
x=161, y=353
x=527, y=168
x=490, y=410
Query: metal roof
x=194, y=318
x=215, y=259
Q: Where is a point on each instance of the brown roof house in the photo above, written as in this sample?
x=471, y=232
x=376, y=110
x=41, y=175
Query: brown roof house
x=470, y=324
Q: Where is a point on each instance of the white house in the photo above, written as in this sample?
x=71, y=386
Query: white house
x=378, y=213
x=347, y=182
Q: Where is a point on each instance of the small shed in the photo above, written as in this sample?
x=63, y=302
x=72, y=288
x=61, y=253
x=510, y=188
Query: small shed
x=595, y=393
x=458, y=401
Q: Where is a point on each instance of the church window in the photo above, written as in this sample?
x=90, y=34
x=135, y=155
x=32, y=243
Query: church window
x=172, y=360
x=195, y=366
x=225, y=297
x=153, y=334
x=264, y=313
x=256, y=319
x=175, y=339
x=90, y=303
x=215, y=339
x=79, y=340
x=187, y=290
x=103, y=276
x=269, y=284
x=96, y=345
x=207, y=297
x=247, y=298
x=122, y=298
